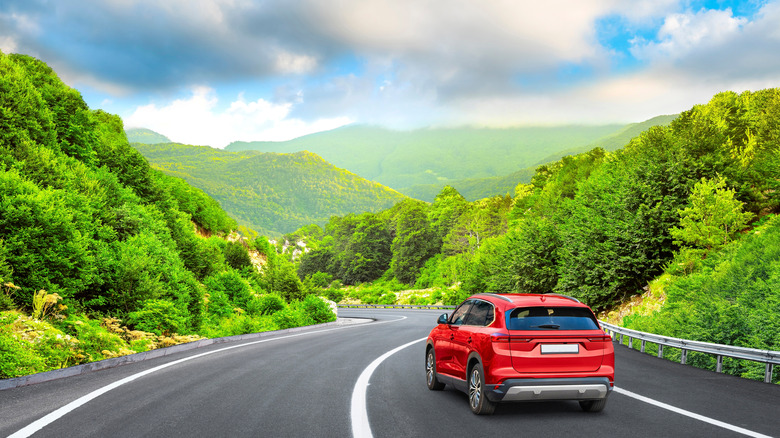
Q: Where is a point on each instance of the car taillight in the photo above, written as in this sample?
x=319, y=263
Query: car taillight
x=505, y=338
x=605, y=338
x=500, y=337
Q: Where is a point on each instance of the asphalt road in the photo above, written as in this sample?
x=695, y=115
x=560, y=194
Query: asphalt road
x=302, y=385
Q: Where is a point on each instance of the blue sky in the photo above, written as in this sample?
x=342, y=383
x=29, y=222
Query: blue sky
x=215, y=71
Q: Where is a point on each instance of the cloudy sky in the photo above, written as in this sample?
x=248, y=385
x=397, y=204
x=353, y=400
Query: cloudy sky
x=214, y=71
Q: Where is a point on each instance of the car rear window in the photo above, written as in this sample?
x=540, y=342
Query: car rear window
x=551, y=318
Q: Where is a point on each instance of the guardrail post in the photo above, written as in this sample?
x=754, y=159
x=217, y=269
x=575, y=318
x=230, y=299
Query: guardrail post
x=661, y=350
x=630, y=342
x=621, y=339
x=683, y=356
x=643, y=346
x=768, y=373
x=719, y=368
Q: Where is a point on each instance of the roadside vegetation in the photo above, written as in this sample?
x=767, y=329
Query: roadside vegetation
x=687, y=209
x=100, y=255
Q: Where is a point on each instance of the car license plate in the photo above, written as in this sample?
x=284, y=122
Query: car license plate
x=560, y=348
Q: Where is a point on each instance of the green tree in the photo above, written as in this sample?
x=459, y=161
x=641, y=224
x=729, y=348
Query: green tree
x=713, y=216
x=414, y=243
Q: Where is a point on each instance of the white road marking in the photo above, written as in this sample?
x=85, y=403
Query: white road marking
x=53, y=416
x=359, y=412
x=709, y=420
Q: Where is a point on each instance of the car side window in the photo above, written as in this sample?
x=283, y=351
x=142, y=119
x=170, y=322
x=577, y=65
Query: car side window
x=459, y=315
x=481, y=314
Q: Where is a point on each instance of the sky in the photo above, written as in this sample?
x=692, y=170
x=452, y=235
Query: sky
x=209, y=72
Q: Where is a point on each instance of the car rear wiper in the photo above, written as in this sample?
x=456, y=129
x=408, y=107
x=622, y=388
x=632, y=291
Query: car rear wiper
x=547, y=326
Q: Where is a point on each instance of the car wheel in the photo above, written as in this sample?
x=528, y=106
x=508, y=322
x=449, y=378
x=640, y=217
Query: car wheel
x=478, y=401
x=430, y=371
x=593, y=405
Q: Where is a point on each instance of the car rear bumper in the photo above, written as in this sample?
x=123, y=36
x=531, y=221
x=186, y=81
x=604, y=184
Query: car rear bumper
x=586, y=388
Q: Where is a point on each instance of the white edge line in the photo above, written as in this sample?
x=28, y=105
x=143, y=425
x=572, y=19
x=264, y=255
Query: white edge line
x=53, y=416
x=690, y=414
x=359, y=411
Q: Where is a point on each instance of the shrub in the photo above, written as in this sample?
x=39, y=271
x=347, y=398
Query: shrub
x=238, y=324
x=266, y=304
x=318, y=309
x=95, y=342
x=233, y=284
x=291, y=316
x=17, y=357
x=158, y=316
x=218, y=304
x=334, y=294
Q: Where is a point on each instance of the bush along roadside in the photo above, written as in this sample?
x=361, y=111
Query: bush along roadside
x=30, y=345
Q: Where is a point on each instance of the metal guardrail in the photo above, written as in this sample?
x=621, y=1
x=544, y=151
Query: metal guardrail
x=393, y=306
x=768, y=357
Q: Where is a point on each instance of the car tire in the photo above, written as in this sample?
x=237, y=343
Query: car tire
x=593, y=405
x=478, y=401
x=430, y=371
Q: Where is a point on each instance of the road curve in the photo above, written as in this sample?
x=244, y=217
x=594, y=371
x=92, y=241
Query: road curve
x=303, y=385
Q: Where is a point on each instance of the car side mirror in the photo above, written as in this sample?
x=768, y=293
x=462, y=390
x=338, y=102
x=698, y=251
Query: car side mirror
x=442, y=319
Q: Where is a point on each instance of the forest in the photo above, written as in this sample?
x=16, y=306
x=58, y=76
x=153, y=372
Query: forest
x=688, y=210
x=101, y=255
x=270, y=193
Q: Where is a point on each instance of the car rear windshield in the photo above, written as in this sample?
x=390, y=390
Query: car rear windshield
x=551, y=318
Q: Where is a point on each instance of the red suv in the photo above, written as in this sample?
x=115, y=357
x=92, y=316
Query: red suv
x=521, y=347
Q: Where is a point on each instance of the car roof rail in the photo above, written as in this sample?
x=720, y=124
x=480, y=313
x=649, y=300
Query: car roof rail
x=565, y=296
x=496, y=296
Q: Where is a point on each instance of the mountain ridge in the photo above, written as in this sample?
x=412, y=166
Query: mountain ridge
x=272, y=193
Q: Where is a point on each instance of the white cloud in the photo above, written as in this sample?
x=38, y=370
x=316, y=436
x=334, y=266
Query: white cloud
x=682, y=34
x=7, y=44
x=287, y=62
x=451, y=39
x=197, y=120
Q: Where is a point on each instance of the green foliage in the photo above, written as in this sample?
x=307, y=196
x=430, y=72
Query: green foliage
x=94, y=340
x=238, y=289
x=281, y=278
x=17, y=357
x=158, y=316
x=527, y=258
x=238, y=324
x=84, y=217
x=319, y=279
x=318, y=309
x=713, y=217
x=267, y=304
x=292, y=316
x=732, y=299
x=414, y=243
x=271, y=193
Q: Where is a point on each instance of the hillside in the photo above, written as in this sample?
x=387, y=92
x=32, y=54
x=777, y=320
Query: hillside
x=402, y=159
x=474, y=188
x=478, y=188
x=147, y=136
x=271, y=193
x=101, y=255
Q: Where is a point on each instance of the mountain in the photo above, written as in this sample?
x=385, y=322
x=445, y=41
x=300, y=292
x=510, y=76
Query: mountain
x=271, y=193
x=615, y=140
x=402, y=159
x=478, y=188
x=147, y=136
x=475, y=188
